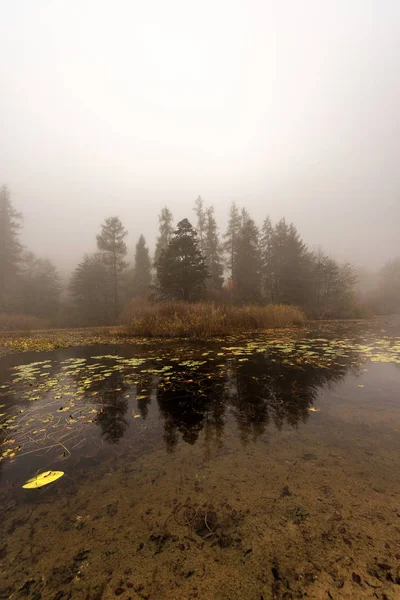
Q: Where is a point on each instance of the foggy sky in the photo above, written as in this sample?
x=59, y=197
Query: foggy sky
x=289, y=107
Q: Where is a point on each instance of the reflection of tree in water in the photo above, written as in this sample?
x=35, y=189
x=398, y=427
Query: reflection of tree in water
x=263, y=389
x=114, y=406
x=107, y=394
x=259, y=390
x=190, y=401
x=145, y=392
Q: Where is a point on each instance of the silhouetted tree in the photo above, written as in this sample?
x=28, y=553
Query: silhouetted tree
x=39, y=287
x=231, y=241
x=332, y=286
x=181, y=269
x=111, y=241
x=248, y=262
x=386, y=298
x=267, y=261
x=91, y=289
x=201, y=223
x=212, y=251
x=10, y=249
x=291, y=266
x=165, y=232
x=141, y=280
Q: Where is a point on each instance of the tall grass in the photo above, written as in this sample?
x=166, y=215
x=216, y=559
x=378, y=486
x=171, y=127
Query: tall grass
x=21, y=322
x=205, y=319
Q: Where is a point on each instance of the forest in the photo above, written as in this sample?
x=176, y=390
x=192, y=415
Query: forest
x=247, y=264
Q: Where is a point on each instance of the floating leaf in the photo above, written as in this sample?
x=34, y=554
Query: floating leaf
x=42, y=479
x=313, y=409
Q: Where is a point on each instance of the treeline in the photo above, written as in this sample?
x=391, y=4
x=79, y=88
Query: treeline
x=29, y=285
x=246, y=264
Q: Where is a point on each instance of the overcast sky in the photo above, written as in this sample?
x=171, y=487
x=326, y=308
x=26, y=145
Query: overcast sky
x=289, y=107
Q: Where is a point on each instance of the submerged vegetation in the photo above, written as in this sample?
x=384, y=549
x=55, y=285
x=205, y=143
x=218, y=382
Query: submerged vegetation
x=205, y=320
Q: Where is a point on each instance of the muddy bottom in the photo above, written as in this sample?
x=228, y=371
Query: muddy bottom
x=224, y=472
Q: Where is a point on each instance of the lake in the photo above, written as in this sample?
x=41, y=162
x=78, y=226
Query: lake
x=252, y=467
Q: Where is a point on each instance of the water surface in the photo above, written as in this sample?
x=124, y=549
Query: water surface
x=262, y=467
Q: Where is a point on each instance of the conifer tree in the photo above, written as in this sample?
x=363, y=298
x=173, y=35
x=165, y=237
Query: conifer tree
x=181, y=269
x=201, y=222
x=231, y=241
x=267, y=261
x=10, y=249
x=165, y=232
x=291, y=265
x=39, y=287
x=248, y=262
x=212, y=251
x=92, y=289
x=142, y=270
x=111, y=241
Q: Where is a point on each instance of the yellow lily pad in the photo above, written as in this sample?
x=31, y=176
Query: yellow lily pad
x=42, y=479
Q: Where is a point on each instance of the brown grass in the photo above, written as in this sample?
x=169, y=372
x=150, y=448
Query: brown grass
x=20, y=322
x=205, y=319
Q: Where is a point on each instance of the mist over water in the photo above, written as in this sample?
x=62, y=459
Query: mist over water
x=199, y=300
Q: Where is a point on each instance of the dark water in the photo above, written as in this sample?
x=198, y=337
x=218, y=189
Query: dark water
x=248, y=468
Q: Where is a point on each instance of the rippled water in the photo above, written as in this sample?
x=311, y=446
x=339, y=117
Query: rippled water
x=246, y=468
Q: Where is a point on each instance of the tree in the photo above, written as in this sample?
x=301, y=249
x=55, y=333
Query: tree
x=39, y=287
x=325, y=275
x=248, y=261
x=10, y=249
x=165, y=232
x=291, y=265
x=385, y=299
x=181, y=269
x=267, y=261
x=201, y=222
x=111, y=242
x=332, y=286
x=212, y=251
x=231, y=240
x=346, y=296
x=141, y=280
x=91, y=289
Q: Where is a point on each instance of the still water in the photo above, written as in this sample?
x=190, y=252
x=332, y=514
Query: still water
x=247, y=468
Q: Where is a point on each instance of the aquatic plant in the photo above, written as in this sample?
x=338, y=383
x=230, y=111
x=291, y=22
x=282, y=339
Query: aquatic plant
x=204, y=319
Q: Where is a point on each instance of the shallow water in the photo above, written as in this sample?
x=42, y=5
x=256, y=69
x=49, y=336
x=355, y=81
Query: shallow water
x=247, y=468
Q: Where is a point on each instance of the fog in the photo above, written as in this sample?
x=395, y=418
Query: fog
x=288, y=108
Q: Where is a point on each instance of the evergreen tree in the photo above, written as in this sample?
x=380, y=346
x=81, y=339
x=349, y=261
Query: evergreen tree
x=248, y=262
x=166, y=230
x=10, y=249
x=231, y=241
x=212, y=251
x=39, y=287
x=292, y=265
x=201, y=222
x=326, y=283
x=142, y=270
x=181, y=269
x=91, y=289
x=267, y=261
x=111, y=242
